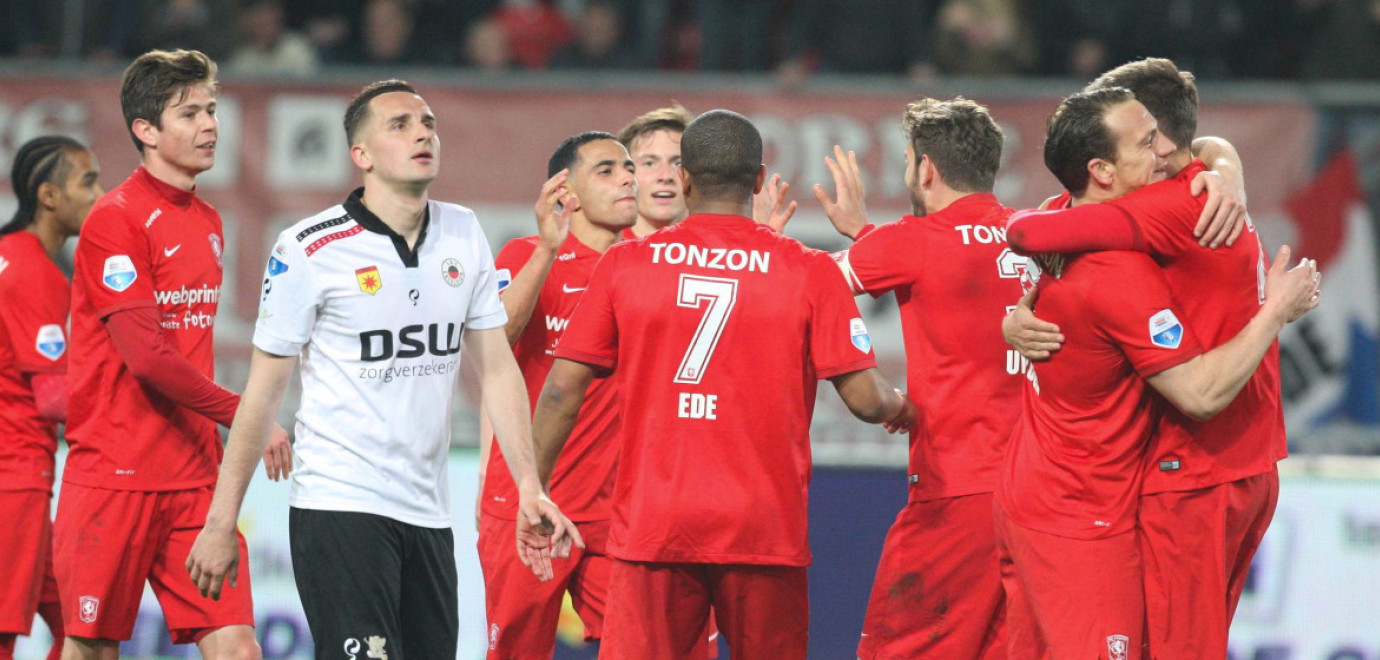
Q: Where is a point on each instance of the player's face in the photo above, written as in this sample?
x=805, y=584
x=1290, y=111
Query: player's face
x=917, y=203
x=401, y=144
x=604, y=182
x=79, y=191
x=1142, y=153
x=657, y=157
x=187, y=137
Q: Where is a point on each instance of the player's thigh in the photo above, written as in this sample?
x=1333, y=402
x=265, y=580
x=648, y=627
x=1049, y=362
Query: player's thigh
x=589, y=581
x=763, y=611
x=23, y=555
x=938, y=587
x=191, y=616
x=1184, y=558
x=656, y=610
x=104, y=545
x=1024, y=641
x=348, y=568
x=1087, y=595
x=522, y=611
x=1252, y=508
x=429, y=603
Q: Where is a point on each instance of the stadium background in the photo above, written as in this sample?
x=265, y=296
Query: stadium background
x=1311, y=151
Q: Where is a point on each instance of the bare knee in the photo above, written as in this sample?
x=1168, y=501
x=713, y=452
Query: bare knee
x=230, y=643
x=82, y=648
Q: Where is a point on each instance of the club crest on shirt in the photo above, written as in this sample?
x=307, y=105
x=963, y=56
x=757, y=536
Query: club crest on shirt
x=369, y=280
x=50, y=342
x=504, y=277
x=454, y=274
x=87, y=608
x=1165, y=330
x=216, y=248
x=119, y=273
x=1118, y=647
x=858, y=332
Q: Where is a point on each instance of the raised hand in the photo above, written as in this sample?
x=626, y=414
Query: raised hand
x=848, y=212
x=767, y=204
x=553, y=211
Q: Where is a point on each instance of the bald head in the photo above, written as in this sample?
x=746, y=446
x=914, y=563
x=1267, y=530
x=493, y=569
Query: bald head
x=721, y=152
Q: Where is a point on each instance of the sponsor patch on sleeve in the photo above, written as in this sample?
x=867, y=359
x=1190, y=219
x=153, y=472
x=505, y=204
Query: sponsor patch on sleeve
x=276, y=267
x=119, y=272
x=1165, y=330
x=504, y=277
x=50, y=342
x=858, y=332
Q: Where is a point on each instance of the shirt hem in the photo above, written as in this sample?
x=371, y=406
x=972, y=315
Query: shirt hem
x=599, y=361
x=372, y=509
x=848, y=368
x=89, y=481
x=105, y=312
x=1211, y=482
x=673, y=557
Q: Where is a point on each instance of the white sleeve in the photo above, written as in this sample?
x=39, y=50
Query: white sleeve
x=289, y=302
x=486, y=310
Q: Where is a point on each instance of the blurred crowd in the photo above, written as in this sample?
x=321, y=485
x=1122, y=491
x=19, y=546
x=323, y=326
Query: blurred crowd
x=1261, y=39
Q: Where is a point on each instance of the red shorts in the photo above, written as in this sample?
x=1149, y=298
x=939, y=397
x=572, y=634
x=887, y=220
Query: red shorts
x=661, y=610
x=1071, y=598
x=938, y=589
x=25, y=554
x=523, y=612
x=108, y=542
x=1197, y=547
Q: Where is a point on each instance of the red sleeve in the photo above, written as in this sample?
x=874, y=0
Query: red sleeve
x=510, y=260
x=1083, y=228
x=1140, y=315
x=34, y=334
x=155, y=363
x=114, y=263
x=50, y=395
x=592, y=334
x=1165, y=214
x=839, y=341
x=867, y=229
x=874, y=264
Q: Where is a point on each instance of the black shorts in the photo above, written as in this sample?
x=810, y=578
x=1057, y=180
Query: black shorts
x=373, y=587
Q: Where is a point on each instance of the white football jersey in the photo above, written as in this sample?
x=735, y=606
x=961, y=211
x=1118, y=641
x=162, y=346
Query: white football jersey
x=378, y=328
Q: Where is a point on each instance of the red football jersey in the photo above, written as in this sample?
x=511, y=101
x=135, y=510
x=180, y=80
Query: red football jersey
x=627, y=235
x=34, y=299
x=717, y=330
x=145, y=244
x=583, y=479
x=1075, y=464
x=954, y=279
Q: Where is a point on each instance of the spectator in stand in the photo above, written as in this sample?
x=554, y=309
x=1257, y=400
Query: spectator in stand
x=1077, y=37
x=598, y=41
x=983, y=38
x=388, y=29
x=173, y=24
x=267, y=46
x=843, y=36
x=486, y=46
x=1341, y=39
x=331, y=25
x=535, y=30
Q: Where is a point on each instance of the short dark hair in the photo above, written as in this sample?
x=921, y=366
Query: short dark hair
x=569, y=152
x=722, y=152
x=358, y=110
x=671, y=118
x=1169, y=94
x=1078, y=133
x=960, y=137
x=152, y=80
x=41, y=160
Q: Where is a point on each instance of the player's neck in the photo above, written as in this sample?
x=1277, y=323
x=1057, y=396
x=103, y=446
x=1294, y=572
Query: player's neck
x=168, y=173
x=1094, y=194
x=595, y=236
x=403, y=213
x=1178, y=161
x=50, y=235
x=720, y=207
x=939, y=198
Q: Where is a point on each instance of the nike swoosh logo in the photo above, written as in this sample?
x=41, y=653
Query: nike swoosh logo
x=168, y=252
x=566, y=288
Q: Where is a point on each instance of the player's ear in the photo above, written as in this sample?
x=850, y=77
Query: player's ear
x=145, y=132
x=761, y=179
x=1101, y=172
x=361, y=157
x=572, y=201
x=48, y=195
x=684, y=180
x=928, y=171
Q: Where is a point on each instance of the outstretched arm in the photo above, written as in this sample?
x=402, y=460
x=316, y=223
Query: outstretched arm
x=871, y=398
x=557, y=410
x=1224, y=213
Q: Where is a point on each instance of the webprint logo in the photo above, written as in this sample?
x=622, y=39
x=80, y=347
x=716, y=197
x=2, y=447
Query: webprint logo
x=1118, y=647
x=88, y=607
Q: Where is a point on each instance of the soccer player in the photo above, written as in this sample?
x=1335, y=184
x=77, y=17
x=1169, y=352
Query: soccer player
x=1068, y=494
x=653, y=140
x=588, y=201
x=1210, y=488
x=377, y=296
x=938, y=591
x=144, y=408
x=716, y=331
x=55, y=179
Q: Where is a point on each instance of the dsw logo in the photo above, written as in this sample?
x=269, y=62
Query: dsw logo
x=378, y=345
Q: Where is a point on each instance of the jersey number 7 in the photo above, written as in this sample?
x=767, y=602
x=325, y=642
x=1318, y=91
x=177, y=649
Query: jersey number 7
x=718, y=295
